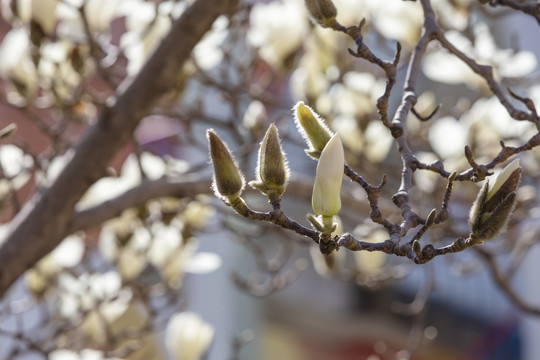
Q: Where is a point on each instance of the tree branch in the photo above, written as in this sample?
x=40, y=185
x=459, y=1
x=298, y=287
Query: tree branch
x=39, y=226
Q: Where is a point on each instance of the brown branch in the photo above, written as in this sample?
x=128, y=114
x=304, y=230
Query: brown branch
x=486, y=72
x=528, y=7
x=40, y=225
x=137, y=196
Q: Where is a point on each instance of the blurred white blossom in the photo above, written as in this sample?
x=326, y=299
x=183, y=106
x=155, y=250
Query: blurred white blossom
x=187, y=336
x=99, y=15
x=448, y=137
x=489, y=122
x=106, y=188
x=14, y=161
x=66, y=255
x=146, y=24
x=397, y=20
x=277, y=29
x=132, y=246
x=42, y=12
x=208, y=52
x=98, y=291
x=366, y=261
x=16, y=63
x=85, y=354
x=440, y=65
x=255, y=116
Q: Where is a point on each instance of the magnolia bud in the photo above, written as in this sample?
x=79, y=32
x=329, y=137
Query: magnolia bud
x=312, y=128
x=272, y=171
x=323, y=12
x=326, y=200
x=228, y=182
x=431, y=218
x=494, y=204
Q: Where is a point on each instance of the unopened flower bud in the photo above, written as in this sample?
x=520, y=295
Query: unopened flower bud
x=228, y=182
x=431, y=218
x=494, y=204
x=326, y=200
x=312, y=128
x=272, y=171
x=323, y=12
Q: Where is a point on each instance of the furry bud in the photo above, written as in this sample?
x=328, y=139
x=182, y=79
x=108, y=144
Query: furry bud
x=312, y=128
x=228, y=182
x=494, y=204
x=272, y=171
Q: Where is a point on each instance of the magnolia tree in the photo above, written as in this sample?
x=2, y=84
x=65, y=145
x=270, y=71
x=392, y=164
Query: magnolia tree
x=427, y=110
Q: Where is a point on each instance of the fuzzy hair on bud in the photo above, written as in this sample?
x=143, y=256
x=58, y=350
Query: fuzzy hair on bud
x=326, y=198
x=492, y=208
x=312, y=128
x=272, y=173
x=323, y=12
x=228, y=181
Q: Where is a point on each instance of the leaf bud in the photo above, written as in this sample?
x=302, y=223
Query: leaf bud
x=228, y=181
x=326, y=200
x=494, y=204
x=272, y=171
x=312, y=128
x=431, y=218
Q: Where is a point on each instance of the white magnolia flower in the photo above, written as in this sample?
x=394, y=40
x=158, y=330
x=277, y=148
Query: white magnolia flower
x=187, y=336
x=326, y=198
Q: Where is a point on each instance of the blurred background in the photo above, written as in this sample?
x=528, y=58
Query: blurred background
x=182, y=276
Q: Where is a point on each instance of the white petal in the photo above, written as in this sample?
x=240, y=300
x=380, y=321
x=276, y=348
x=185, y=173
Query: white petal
x=203, y=263
x=70, y=251
x=326, y=198
x=447, y=137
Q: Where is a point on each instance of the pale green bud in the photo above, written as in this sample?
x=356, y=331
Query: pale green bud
x=431, y=218
x=326, y=199
x=492, y=208
x=272, y=171
x=312, y=128
x=323, y=12
x=228, y=182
